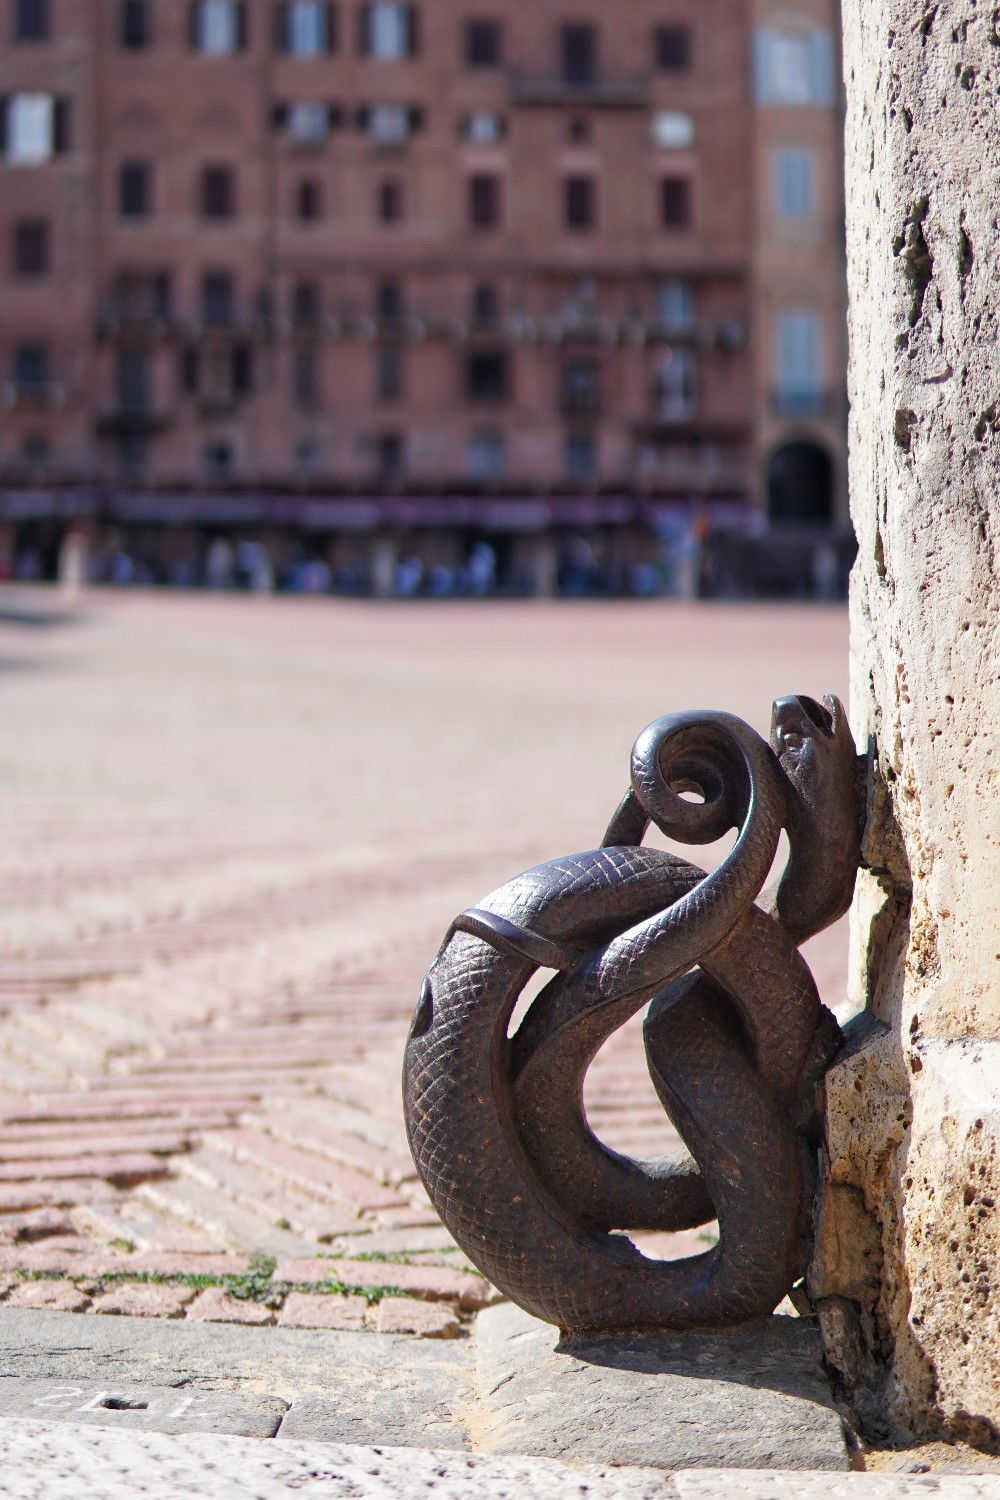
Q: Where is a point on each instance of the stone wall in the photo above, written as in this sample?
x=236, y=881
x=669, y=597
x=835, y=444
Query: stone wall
x=909, y=1236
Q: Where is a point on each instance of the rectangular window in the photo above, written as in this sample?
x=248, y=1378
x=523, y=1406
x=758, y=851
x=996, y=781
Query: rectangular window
x=216, y=27
x=673, y=130
x=31, y=20
x=580, y=203
x=242, y=370
x=484, y=201
x=483, y=44
x=798, y=354
x=218, y=299
x=579, y=54
x=309, y=201
x=308, y=122
x=675, y=202
x=580, y=388
x=390, y=202
x=672, y=48
x=135, y=190
x=32, y=247
x=675, y=306
x=305, y=375
x=795, y=183
x=485, y=305
x=389, y=373
x=142, y=296
x=794, y=68
x=30, y=129
x=131, y=453
x=308, y=29
x=389, y=30
x=136, y=23
x=390, y=456
x=487, y=457
x=484, y=128
x=218, y=192
x=389, y=303
x=486, y=376
x=581, y=458
x=675, y=386
x=31, y=371
x=219, y=458
x=305, y=304
x=132, y=380
x=388, y=124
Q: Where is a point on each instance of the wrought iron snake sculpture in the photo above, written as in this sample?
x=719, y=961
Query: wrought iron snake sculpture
x=737, y=1040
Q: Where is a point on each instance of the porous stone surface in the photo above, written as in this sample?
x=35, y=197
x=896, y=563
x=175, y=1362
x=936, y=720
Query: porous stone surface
x=44, y=1461
x=754, y=1397
x=912, y=1322
x=713, y=1485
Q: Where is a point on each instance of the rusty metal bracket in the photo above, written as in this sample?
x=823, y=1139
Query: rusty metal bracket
x=737, y=1040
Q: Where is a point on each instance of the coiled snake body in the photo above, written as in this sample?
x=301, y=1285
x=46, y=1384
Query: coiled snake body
x=736, y=1037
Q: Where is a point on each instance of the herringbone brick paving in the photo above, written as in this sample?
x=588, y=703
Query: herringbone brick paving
x=233, y=834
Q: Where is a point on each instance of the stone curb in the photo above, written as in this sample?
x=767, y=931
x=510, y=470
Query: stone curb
x=43, y=1461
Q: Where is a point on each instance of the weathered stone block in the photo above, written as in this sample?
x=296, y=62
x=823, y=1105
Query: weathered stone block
x=753, y=1397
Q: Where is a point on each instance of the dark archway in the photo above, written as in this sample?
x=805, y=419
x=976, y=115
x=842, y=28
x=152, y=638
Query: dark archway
x=800, y=484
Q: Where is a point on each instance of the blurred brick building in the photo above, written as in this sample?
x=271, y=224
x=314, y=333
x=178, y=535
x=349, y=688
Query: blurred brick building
x=355, y=282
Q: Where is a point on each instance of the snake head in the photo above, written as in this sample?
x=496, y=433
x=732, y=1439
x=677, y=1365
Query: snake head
x=817, y=754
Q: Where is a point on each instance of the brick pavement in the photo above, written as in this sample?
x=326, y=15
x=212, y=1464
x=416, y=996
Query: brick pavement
x=234, y=832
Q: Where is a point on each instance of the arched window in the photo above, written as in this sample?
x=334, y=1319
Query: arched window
x=800, y=484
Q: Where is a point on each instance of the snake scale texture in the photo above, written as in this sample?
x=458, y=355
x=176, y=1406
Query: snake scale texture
x=737, y=1040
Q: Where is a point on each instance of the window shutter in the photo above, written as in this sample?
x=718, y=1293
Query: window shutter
x=364, y=30
x=242, y=370
x=189, y=370
x=361, y=117
x=60, y=125
x=416, y=114
x=413, y=31
x=334, y=116
x=193, y=17
x=279, y=27
x=279, y=116
x=3, y=124
x=821, y=68
x=331, y=27
x=763, y=65
x=242, y=26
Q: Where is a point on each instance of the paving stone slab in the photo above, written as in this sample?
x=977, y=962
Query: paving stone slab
x=45, y=1461
x=371, y=1387
x=50, y=1461
x=749, y=1398
x=390, y=1412
x=150, y=1408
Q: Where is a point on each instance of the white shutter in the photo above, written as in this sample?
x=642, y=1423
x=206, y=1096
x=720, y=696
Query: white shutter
x=763, y=65
x=799, y=353
x=30, y=129
x=821, y=91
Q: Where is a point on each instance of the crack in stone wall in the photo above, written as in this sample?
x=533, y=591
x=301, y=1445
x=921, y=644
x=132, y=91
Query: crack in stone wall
x=913, y=1112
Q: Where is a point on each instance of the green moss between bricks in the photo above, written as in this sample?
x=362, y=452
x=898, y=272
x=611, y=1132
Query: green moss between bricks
x=245, y=1288
x=255, y=1286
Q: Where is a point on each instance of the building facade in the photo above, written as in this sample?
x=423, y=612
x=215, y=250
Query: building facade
x=356, y=282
